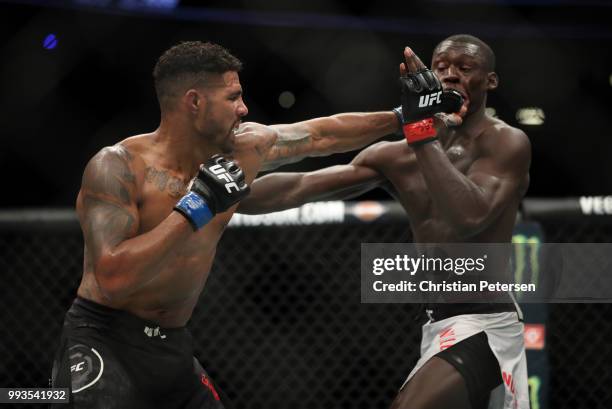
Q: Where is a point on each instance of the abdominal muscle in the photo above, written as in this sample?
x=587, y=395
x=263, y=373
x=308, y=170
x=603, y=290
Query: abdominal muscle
x=169, y=299
x=171, y=295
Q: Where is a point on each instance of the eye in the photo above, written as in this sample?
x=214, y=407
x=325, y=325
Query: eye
x=235, y=96
x=466, y=68
x=441, y=67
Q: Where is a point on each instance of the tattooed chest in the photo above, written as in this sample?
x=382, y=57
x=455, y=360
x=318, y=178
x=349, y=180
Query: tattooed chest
x=162, y=181
x=160, y=192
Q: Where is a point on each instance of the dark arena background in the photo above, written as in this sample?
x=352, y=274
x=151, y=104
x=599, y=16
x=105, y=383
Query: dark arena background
x=280, y=323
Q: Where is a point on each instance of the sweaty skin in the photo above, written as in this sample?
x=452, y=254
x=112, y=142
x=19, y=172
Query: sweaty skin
x=465, y=187
x=143, y=257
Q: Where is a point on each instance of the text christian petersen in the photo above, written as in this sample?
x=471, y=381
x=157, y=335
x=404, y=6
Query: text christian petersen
x=436, y=265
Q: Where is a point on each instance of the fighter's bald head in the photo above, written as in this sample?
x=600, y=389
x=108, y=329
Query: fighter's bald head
x=470, y=45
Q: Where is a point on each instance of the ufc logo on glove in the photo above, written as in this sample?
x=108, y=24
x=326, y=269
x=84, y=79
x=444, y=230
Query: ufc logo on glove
x=429, y=100
x=223, y=175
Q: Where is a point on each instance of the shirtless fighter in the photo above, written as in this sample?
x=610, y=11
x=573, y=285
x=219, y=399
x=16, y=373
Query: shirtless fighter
x=150, y=238
x=457, y=184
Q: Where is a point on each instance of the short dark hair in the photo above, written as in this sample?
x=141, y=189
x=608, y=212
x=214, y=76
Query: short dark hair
x=487, y=53
x=187, y=63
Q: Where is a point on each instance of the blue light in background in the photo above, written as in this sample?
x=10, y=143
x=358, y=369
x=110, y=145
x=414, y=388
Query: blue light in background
x=50, y=41
x=148, y=4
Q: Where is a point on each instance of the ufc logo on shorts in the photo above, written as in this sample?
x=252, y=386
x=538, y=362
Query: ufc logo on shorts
x=223, y=175
x=429, y=100
x=78, y=367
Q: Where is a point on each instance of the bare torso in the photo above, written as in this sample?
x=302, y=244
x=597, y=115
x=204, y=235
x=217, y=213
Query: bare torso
x=405, y=181
x=171, y=295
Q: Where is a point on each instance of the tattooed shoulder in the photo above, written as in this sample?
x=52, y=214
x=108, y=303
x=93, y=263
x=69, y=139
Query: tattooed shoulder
x=110, y=173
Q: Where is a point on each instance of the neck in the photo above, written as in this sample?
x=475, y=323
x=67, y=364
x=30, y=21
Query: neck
x=475, y=117
x=183, y=148
x=470, y=124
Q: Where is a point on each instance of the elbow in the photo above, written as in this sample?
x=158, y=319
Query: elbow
x=110, y=282
x=470, y=222
x=326, y=142
x=468, y=227
x=328, y=145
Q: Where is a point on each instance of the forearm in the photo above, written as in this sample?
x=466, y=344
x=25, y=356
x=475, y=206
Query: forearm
x=350, y=131
x=328, y=135
x=272, y=193
x=280, y=191
x=460, y=201
x=122, y=270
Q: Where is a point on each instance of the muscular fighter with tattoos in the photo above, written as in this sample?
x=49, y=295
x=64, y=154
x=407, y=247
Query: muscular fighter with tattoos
x=150, y=237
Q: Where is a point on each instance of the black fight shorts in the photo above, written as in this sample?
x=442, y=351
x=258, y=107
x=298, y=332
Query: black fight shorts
x=110, y=359
x=475, y=361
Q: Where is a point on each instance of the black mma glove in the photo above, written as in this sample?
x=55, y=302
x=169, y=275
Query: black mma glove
x=422, y=97
x=218, y=186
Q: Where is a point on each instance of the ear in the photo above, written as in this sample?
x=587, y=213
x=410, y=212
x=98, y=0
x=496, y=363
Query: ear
x=492, y=81
x=193, y=101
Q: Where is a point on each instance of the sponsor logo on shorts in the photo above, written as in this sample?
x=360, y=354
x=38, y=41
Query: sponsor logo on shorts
x=78, y=367
x=154, y=332
x=509, y=382
x=86, y=367
x=207, y=383
x=447, y=338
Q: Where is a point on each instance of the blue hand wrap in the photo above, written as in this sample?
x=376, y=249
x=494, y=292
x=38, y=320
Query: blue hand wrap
x=195, y=209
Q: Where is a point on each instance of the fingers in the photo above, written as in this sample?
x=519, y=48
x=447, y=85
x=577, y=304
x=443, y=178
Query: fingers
x=442, y=120
x=413, y=62
x=403, y=71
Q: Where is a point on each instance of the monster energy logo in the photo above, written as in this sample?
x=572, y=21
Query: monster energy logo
x=526, y=257
x=534, y=391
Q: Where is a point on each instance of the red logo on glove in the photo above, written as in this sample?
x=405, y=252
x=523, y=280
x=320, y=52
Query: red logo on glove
x=420, y=131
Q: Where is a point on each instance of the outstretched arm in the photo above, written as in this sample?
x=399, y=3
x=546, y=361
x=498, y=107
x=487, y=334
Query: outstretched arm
x=327, y=135
x=280, y=191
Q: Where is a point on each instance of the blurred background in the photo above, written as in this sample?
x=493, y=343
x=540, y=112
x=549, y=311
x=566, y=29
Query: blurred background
x=282, y=325
x=76, y=75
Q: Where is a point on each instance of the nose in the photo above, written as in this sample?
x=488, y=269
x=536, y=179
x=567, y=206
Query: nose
x=449, y=75
x=242, y=109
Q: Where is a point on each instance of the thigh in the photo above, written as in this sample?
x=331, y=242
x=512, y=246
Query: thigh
x=95, y=378
x=206, y=394
x=437, y=385
x=461, y=376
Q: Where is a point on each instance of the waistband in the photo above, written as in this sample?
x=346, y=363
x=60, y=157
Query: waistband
x=438, y=312
x=88, y=313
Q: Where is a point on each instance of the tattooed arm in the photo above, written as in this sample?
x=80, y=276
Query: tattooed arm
x=320, y=136
x=120, y=259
